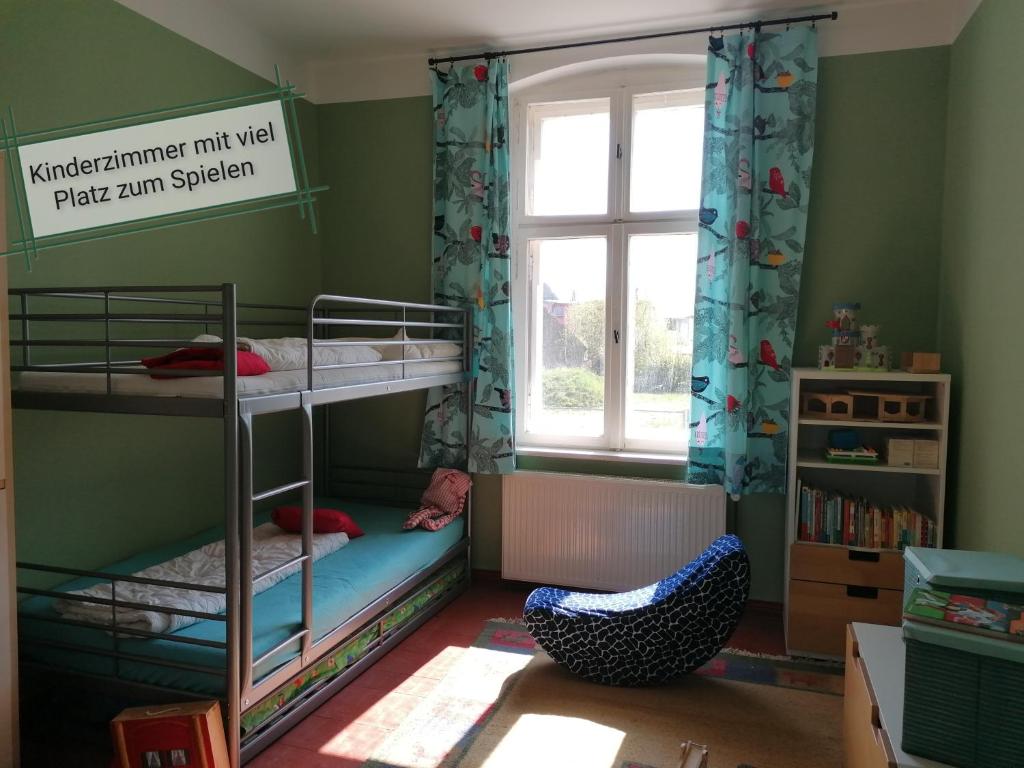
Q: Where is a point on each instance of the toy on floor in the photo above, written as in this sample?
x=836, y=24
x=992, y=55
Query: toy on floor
x=190, y=734
x=693, y=755
x=649, y=635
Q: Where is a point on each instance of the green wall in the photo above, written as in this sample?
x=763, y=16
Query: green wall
x=876, y=197
x=115, y=484
x=376, y=157
x=982, y=275
x=872, y=237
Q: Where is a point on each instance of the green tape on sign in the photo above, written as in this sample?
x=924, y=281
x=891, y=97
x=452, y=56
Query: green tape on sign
x=84, y=184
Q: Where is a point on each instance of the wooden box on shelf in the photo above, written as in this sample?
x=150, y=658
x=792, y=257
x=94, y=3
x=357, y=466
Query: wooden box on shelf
x=896, y=406
x=899, y=452
x=921, y=362
x=824, y=405
x=926, y=454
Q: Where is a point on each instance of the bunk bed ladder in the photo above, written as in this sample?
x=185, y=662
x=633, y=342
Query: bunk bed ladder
x=249, y=497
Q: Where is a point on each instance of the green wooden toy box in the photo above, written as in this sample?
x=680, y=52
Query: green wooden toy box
x=964, y=692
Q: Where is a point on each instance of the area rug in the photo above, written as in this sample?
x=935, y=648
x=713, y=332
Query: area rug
x=505, y=704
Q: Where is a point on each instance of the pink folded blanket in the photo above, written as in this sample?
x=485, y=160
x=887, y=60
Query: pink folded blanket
x=442, y=502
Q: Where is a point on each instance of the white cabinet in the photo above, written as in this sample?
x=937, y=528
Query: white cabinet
x=873, y=703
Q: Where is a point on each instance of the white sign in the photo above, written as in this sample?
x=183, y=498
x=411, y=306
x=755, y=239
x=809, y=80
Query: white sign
x=159, y=168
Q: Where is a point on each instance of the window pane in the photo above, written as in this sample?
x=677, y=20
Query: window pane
x=662, y=273
x=665, y=163
x=568, y=151
x=569, y=333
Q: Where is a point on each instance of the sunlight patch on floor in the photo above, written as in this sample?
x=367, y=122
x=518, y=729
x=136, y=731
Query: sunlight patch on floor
x=561, y=741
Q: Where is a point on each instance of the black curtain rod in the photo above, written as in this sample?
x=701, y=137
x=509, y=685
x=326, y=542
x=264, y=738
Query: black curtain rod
x=633, y=38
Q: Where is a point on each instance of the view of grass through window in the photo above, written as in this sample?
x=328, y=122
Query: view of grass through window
x=571, y=274
x=661, y=287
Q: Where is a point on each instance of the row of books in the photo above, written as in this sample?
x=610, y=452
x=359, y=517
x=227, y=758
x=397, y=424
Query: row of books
x=828, y=517
x=992, y=618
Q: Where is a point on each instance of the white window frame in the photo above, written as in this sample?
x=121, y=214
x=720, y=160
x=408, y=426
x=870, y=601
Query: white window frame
x=616, y=224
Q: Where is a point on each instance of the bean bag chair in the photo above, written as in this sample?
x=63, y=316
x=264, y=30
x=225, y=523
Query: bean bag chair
x=650, y=635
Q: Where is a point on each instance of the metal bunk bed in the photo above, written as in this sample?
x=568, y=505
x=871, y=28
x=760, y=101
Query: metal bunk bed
x=115, y=321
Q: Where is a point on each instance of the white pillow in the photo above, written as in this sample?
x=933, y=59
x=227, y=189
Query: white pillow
x=421, y=351
x=289, y=354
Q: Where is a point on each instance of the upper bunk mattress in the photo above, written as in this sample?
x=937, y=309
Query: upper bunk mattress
x=344, y=582
x=213, y=386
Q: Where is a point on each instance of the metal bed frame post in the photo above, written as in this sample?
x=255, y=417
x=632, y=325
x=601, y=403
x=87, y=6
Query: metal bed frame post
x=231, y=564
x=245, y=510
x=322, y=484
x=307, y=498
x=307, y=531
x=468, y=349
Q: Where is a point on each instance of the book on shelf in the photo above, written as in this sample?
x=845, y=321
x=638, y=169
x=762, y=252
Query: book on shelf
x=992, y=618
x=829, y=517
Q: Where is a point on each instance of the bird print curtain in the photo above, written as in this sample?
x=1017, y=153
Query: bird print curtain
x=471, y=264
x=758, y=146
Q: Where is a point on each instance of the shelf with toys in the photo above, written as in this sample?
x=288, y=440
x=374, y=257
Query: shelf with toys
x=867, y=475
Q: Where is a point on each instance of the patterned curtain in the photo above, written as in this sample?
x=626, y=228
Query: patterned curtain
x=471, y=264
x=758, y=146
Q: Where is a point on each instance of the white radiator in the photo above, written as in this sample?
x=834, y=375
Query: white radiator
x=603, y=532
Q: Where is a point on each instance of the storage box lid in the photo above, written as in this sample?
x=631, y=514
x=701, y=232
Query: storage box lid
x=962, y=569
x=968, y=642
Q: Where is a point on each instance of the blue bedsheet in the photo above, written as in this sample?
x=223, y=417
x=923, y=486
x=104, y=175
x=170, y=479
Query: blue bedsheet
x=344, y=582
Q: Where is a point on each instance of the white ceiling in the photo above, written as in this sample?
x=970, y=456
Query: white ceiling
x=334, y=48
x=329, y=28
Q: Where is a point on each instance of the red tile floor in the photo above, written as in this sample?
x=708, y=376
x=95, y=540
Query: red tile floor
x=346, y=729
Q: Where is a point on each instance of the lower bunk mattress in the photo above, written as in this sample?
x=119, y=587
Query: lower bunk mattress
x=344, y=582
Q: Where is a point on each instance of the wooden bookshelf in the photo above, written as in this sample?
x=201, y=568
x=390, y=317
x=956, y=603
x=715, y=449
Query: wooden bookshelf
x=830, y=585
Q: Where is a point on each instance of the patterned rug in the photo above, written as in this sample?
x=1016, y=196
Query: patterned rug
x=505, y=703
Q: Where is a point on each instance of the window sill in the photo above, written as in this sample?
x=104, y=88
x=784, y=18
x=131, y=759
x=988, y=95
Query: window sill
x=635, y=457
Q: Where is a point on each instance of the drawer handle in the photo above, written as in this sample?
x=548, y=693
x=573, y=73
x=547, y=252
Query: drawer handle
x=868, y=593
x=864, y=557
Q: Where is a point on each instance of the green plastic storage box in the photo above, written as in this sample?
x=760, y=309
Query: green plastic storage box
x=962, y=698
x=964, y=692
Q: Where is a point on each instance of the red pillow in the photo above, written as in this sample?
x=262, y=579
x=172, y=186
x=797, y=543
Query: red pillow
x=205, y=359
x=324, y=521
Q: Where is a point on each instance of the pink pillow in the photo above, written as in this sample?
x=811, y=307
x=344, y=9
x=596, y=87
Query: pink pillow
x=324, y=521
x=205, y=359
x=442, y=502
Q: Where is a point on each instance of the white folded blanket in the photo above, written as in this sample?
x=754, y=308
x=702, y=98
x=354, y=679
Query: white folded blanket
x=289, y=354
x=270, y=547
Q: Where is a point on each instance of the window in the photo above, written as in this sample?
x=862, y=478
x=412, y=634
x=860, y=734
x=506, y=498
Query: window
x=606, y=179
